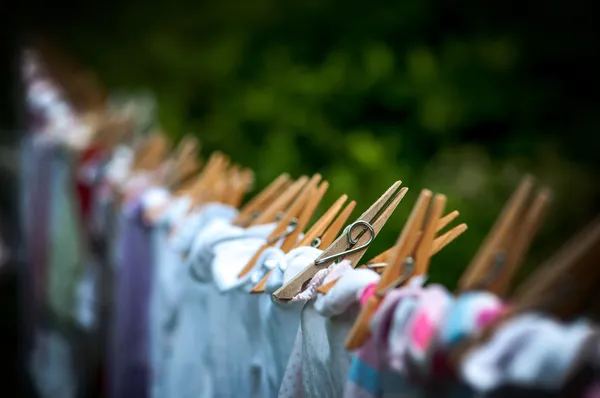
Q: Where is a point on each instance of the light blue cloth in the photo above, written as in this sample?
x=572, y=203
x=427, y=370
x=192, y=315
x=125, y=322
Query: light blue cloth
x=187, y=375
x=167, y=278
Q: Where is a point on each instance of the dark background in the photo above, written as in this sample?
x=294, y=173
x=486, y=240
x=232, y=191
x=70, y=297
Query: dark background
x=461, y=97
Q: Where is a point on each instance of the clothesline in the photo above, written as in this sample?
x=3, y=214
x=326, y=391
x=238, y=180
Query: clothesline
x=197, y=295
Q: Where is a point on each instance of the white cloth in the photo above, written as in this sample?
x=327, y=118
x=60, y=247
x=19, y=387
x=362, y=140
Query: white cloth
x=198, y=221
x=319, y=363
x=188, y=375
x=212, y=335
x=528, y=351
x=280, y=321
x=346, y=291
x=234, y=320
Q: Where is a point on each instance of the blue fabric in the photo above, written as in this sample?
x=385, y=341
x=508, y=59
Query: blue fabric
x=166, y=262
x=364, y=376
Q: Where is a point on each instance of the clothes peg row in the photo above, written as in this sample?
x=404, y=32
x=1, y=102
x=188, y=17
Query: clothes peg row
x=109, y=128
x=292, y=213
x=563, y=286
x=502, y=252
x=438, y=244
x=309, y=209
x=321, y=234
x=257, y=204
x=414, y=247
x=224, y=186
x=568, y=282
x=207, y=187
x=243, y=182
x=498, y=258
x=152, y=153
x=320, y=226
x=185, y=162
x=281, y=203
x=352, y=244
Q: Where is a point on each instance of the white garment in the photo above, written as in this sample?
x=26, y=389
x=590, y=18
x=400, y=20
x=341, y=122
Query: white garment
x=234, y=321
x=210, y=331
x=346, y=292
x=528, y=351
x=279, y=320
x=188, y=375
x=198, y=220
x=318, y=366
x=118, y=167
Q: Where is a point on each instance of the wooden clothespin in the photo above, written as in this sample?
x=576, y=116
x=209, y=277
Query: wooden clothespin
x=152, y=153
x=274, y=210
x=184, y=163
x=352, y=244
x=319, y=234
x=308, y=211
x=242, y=183
x=379, y=262
x=225, y=185
x=569, y=281
x=499, y=257
x=194, y=184
x=563, y=286
x=208, y=188
x=253, y=208
x=410, y=258
x=326, y=229
x=291, y=217
x=108, y=128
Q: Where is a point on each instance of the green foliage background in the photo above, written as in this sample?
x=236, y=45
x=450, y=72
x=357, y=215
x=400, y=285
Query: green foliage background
x=461, y=97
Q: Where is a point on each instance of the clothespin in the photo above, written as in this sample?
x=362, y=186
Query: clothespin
x=291, y=217
x=563, y=286
x=500, y=255
x=321, y=233
x=225, y=185
x=352, y=244
x=242, y=182
x=108, y=128
x=253, y=208
x=152, y=153
x=194, y=184
x=409, y=259
x=502, y=252
x=207, y=188
x=274, y=210
x=379, y=262
x=185, y=161
x=569, y=281
x=326, y=229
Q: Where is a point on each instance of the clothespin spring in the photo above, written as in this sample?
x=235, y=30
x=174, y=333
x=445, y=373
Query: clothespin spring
x=351, y=241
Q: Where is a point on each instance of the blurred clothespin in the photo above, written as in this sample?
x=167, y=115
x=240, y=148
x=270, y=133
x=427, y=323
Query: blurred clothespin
x=352, y=244
x=409, y=259
x=256, y=205
x=291, y=216
x=499, y=257
x=380, y=262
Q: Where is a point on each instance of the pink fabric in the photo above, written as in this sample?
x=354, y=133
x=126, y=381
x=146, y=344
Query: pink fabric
x=422, y=331
x=487, y=316
x=367, y=293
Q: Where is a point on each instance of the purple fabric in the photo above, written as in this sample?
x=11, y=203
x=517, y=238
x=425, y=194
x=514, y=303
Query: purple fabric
x=37, y=228
x=129, y=369
x=593, y=390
